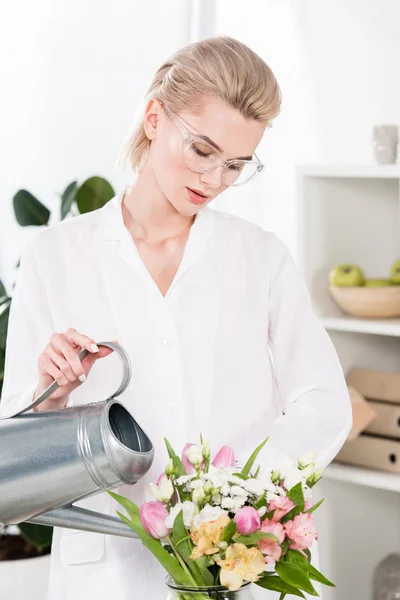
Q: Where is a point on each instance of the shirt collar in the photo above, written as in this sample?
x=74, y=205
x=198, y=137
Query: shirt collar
x=113, y=226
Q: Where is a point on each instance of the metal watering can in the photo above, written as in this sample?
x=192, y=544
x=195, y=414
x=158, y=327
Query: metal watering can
x=50, y=459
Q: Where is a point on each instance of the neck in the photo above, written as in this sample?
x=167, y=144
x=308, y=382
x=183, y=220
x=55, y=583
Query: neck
x=148, y=214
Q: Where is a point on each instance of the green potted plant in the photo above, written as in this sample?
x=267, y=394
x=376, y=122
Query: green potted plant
x=28, y=540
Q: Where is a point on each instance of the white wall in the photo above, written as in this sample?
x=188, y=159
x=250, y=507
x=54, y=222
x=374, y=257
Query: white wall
x=72, y=76
x=337, y=63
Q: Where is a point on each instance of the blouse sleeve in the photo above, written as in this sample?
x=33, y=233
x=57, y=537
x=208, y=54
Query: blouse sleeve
x=29, y=329
x=312, y=390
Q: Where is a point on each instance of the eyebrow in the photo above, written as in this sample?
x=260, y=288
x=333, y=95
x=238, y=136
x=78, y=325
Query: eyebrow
x=207, y=139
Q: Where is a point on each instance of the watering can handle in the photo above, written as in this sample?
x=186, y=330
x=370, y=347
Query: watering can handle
x=126, y=377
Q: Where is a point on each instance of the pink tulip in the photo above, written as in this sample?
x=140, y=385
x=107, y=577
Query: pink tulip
x=301, y=531
x=152, y=516
x=224, y=457
x=282, y=505
x=270, y=548
x=247, y=520
x=188, y=466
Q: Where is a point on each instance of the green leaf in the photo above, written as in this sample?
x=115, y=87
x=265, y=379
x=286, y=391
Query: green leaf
x=317, y=576
x=131, y=508
x=3, y=293
x=67, y=198
x=28, y=210
x=38, y=535
x=94, y=193
x=294, y=575
x=228, y=531
x=183, y=545
x=170, y=450
x=296, y=495
x=240, y=475
x=247, y=467
x=252, y=538
x=169, y=562
x=277, y=584
x=296, y=557
x=4, y=318
x=312, y=508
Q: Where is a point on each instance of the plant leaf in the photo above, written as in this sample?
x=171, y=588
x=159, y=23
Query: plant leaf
x=94, y=193
x=228, y=531
x=169, y=562
x=182, y=543
x=317, y=576
x=296, y=495
x=277, y=584
x=312, y=508
x=294, y=575
x=247, y=467
x=67, y=198
x=38, y=535
x=28, y=210
x=252, y=538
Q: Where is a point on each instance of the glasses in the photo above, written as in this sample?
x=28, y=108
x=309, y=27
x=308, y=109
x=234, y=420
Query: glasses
x=202, y=157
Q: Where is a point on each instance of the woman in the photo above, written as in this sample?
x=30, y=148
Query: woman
x=216, y=319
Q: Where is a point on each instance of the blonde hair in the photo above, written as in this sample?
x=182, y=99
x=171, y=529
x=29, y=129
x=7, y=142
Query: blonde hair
x=220, y=67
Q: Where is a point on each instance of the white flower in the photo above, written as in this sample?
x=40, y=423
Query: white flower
x=236, y=490
x=196, y=483
x=254, y=486
x=188, y=513
x=228, y=503
x=293, y=477
x=216, y=499
x=208, y=513
x=195, y=455
x=198, y=494
x=238, y=502
x=206, y=450
x=164, y=491
x=307, y=459
x=185, y=478
x=307, y=471
x=262, y=510
x=225, y=489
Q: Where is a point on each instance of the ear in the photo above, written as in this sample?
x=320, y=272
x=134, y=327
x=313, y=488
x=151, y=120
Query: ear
x=150, y=118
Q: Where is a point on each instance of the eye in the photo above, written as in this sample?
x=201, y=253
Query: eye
x=236, y=166
x=200, y=152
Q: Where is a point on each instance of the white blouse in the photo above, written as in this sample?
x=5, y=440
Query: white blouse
x=234, y=350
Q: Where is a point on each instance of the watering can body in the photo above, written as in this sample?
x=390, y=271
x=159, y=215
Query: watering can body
x=51, y=459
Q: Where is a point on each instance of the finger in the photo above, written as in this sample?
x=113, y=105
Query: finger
x=70, y=372
x=65, y=352
x=47, y=367
x=82, y=340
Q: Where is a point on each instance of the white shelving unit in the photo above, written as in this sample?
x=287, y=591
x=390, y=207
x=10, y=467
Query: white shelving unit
x=351, y=214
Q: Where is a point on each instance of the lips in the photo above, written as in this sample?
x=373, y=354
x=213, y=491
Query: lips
x=198, y=192
x=196, y=197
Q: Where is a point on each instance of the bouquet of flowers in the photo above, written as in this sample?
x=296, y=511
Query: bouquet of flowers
x=212, y=523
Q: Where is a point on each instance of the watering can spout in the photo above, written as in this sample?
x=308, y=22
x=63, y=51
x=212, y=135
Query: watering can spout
x=76, y=517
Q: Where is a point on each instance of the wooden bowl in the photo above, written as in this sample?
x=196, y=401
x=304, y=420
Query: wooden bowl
x=363, y=301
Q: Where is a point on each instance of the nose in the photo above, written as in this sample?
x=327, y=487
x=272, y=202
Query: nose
x=213, y=179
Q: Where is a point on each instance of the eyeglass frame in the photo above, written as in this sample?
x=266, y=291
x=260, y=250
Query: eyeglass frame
x=189, y=136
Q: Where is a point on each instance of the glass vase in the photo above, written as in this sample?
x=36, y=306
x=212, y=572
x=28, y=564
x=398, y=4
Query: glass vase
x=215, y=592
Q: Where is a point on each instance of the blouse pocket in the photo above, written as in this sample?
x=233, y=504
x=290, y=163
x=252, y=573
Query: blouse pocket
x=82, y=547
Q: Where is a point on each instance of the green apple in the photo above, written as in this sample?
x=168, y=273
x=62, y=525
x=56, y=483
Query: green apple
x=395, y=273
x=346, y=275
x=377, y=282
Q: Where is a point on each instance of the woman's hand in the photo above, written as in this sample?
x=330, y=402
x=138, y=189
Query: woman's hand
x=59, y=361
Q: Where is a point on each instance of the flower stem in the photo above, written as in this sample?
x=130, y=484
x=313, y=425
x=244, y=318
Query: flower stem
x=181, y=561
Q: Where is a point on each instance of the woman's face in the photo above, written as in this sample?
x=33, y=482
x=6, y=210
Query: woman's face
x=236, y=136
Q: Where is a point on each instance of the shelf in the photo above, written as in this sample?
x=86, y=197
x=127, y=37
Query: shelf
x=362, y=476
x=389, y=327
x=351, y=171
